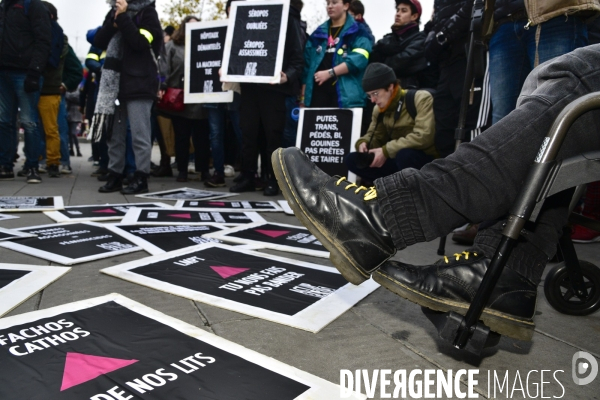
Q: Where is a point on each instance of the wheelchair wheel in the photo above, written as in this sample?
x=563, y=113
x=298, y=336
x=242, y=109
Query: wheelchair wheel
x=561, y=296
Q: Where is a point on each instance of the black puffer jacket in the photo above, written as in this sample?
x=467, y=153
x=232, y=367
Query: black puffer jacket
x=404, y=53
x=452, y=18
x=504, y=8
x=24, y=39
x=139, y=72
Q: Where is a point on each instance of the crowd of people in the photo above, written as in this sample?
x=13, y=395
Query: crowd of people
x=409, y=83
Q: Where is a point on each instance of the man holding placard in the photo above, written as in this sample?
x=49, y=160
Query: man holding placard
x=402, y=130
x=263, y=103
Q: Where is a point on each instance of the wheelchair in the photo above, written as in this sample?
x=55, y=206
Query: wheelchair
x=573, y=286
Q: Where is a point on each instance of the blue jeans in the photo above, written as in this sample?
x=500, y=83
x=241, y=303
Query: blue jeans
x=13, y=97
x=216, y=122
x=63, y=129
x=405, y=158
x=513, y=52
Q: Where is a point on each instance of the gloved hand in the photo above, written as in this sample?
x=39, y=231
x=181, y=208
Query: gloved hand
x=32, y=82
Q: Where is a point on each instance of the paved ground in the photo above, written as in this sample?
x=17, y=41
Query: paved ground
x=381, y=332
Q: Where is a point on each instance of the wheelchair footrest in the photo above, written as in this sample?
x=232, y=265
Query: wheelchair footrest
x=449, y=323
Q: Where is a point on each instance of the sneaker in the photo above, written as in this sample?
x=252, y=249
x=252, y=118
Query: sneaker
x=33, y=176
x=23, y=172
x=581, y=234
x=42, y=169
x=66, y=169
x=217, y=180
x=139, y=184
x=53, y=171
x=96, y=163
x=451, y=284
x=345, y=217
x=229, y=171
x=6, y=174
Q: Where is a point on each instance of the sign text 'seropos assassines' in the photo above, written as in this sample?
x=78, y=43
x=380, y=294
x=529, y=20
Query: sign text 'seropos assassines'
x=255, y=41
x=205, y=43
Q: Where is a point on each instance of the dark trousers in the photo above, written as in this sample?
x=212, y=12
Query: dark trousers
x=260, y=107
x=482, y=179
x=405, y=158
x=198, y=130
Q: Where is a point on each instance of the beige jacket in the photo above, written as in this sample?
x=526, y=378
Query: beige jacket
x=393, y=135
x=540, y=11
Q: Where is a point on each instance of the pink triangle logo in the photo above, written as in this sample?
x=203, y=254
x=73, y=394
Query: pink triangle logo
x=272, y=234
x=226, y=272
x=217, y=203
x=106, y=211
x=184, y=216
x=80, y=368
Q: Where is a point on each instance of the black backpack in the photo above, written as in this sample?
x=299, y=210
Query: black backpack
x=409, y=100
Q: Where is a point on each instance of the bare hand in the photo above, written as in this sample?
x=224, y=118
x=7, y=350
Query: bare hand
x=161, y=93
x=379, y=159
x=362, y=148
x=121, y=7
x=321, y=77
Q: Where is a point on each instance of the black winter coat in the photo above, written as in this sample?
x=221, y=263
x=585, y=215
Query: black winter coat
x=405, y=54
x=24, y=39
x=139, y=71
x=453, y=18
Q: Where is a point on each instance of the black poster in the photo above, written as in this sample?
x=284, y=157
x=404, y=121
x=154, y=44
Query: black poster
x=207, y=45
x=108, y=352
x=172, y=237
x=181, y=216
x=229, y=205
x=116, y=210
x=294, y=237
x=7, y=236
x=184, y=194
x=256, y=281
x=327, y=138
x=255, y=40
x=22, y=202
x=75, y=240
x=8, y=276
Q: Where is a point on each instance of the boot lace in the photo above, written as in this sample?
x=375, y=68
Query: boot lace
x=457, y=256
x=371, y=192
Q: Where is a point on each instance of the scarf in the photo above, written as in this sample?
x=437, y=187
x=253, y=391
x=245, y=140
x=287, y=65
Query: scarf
x=399, y=30
x=108, y=93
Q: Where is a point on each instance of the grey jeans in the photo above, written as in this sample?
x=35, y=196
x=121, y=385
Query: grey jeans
x=482, y=179
x=137, y=112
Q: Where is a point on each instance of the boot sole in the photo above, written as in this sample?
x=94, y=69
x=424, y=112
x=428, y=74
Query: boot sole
x=501, y=323
x=337, y=255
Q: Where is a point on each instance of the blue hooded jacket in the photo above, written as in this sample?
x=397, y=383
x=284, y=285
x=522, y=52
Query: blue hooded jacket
x=353, y=49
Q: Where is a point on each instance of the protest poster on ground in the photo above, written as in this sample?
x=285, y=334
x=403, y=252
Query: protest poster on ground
x=30, y=203
x=107, y=212
x=286, y=207
x=5, y=216
x=327, y=135
x=185, y=194
x=71, y=243
x=294, y=293
x=189, y=216
x=239, y=205
x=281, y=237
x=255, y=41
x=19, y=282
x=113, y=348
x=11, y=234
x=204, y=46
x=159, y=239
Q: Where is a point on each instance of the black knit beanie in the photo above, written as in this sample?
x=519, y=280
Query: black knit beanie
x=377, y=76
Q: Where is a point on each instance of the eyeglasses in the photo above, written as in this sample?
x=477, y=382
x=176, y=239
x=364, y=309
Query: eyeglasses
x=374, y=95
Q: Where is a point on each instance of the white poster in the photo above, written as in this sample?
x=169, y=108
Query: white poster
x=189, y=216
x=186, y=193
x=106, y=212
x=19, y=282
x=30, y=203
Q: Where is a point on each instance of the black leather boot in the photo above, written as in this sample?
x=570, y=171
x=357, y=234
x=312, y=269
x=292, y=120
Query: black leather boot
x=451, y=284
x=114, y=183
x=343, y=216
x=139, y=184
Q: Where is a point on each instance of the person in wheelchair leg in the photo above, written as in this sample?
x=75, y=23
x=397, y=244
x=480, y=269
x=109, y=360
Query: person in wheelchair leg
x=401, y=134
x=363, y=228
